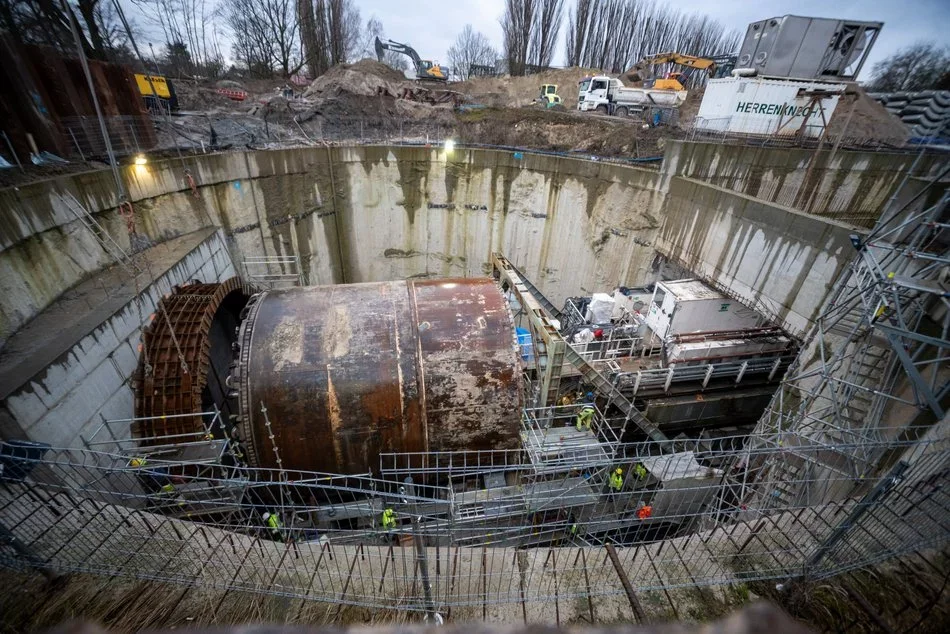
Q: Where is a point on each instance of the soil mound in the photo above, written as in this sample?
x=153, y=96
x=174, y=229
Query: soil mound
x=364, y=77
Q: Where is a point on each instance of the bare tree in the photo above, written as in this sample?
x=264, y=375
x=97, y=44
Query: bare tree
x=189, y=22
x=265, y=35
x=578, y=21
x=922, y=66
x=309, y=39
x=471, y=48
x=367, y=47
x=517, y=24
x=615, y=34
x=546, y=29
x=46, y=22
x=330, y=32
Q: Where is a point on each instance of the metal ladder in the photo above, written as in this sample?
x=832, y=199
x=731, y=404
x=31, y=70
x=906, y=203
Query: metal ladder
x=110, y=246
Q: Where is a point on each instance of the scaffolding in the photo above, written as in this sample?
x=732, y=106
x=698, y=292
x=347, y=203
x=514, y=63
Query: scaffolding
x=822, y=486
x=874, y=367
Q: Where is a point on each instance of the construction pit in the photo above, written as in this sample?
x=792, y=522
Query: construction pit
x=459, y=383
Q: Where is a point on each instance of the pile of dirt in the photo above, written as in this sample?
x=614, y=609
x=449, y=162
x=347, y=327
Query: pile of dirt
x=563, y=132
x=869, y=122
x=365, y=77
x=514, y=92
x=690, y=108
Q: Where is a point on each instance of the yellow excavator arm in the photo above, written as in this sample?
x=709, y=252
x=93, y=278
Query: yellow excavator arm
x=637, y=72
x=683, y=60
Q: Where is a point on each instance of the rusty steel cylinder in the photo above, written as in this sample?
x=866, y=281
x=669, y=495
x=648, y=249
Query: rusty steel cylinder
x=349, y=371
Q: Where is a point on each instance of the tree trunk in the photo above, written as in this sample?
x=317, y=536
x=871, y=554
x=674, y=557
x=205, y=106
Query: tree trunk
x=88, y=10
x=310, y=43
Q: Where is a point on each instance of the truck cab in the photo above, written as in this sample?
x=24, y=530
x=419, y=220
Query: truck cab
x=592, y=94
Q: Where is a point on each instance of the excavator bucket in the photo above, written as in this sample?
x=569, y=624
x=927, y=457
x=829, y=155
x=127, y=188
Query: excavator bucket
x=379, y=50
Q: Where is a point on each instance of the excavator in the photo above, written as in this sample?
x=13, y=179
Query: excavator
x=425, y=69
x=673, y=81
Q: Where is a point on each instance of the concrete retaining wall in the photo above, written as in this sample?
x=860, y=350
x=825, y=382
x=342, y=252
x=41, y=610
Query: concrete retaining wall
x=353, y=214
x=773, y=258
x=847, y=186
x=89, y=380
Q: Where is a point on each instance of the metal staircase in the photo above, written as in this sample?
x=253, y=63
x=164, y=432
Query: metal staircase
x=879, y=344
x=610, y=391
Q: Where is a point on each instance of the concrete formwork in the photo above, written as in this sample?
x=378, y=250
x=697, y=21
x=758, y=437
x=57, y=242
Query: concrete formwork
x=69, y=369
x=358, y=214
x=845, y=185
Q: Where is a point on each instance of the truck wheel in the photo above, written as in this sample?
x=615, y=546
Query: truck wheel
x=601, y=109
x=621, y=111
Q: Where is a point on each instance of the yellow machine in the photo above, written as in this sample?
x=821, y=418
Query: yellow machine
x=158, y=92
x=425, y=69
x=549, y=96
x=673, y=81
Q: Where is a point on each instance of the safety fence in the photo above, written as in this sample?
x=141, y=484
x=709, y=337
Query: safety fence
x=467, y=529
x=772, y=133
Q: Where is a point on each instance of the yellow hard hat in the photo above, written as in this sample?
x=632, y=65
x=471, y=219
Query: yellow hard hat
x=136, y=462
x=619, y=470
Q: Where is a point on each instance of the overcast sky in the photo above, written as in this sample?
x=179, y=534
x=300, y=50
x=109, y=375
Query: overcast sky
x=430, y=26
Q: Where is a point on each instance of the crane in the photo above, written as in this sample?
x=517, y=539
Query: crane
x=673, y=80
x=425, y=69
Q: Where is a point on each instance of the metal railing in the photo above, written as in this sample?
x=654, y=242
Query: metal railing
x=129, y=134
x=273, y=271
x=475, y=527
x=660, y=380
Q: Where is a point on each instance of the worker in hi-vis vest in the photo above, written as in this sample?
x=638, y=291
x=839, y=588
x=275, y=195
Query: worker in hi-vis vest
x=584, y=418
x=616, y=480
x=273, y=524
x=389, y=524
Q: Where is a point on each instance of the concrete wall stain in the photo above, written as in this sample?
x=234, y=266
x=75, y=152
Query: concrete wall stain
x=584, y=209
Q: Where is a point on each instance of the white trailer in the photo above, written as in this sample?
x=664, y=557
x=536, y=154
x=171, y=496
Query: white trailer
x=607, y=95
x=768, y=106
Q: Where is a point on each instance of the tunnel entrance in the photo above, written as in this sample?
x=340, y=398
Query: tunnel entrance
x=184, y=359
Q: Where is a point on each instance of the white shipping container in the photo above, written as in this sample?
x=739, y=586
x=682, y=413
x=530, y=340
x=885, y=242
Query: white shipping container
x=774, y=107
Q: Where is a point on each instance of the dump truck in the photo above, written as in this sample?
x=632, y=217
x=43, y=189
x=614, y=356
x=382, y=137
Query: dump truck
x=606, y=95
